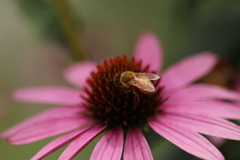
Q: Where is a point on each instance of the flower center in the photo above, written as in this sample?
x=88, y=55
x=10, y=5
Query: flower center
x=111, y=104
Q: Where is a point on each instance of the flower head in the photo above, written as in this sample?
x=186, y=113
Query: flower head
x=178, y=110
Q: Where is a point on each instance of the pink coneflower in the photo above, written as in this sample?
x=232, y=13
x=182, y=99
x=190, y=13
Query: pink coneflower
x=177, y=110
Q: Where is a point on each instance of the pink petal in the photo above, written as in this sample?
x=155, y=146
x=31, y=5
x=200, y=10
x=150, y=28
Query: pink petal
x=188, y=70
x=46, y=129
x=81, y=142
x=110, y=146
x=78, y=73
x=236, y=85
x=187, y=140
x=203, y=91
x=207, y=108
x=149, y=50
x=59, y=142
x=217, y=141
x=45, y=116
x=136, y=146
x=51, y=95
x=207, y=125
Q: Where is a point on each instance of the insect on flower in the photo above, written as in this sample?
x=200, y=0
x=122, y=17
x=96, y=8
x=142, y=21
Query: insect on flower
x=131, y=80
x=177, y=109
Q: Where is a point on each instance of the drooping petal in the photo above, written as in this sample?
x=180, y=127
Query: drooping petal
x=206, y=108
x=187, y=70
x=217, y=141
x=187, y=140
x=110, y=146
x=136, y=146
x=78, y=73
x=59, y=142
x=45, y=116
x=46, y=129
x=149, y=50
x=236, y=85
x=203, y=91
x=50, y=95
x=207, y=125
x=81, y=142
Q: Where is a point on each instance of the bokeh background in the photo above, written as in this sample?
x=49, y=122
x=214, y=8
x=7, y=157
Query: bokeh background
x=34, y=50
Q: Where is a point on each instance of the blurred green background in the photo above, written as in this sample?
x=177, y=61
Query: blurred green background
x=34, y=49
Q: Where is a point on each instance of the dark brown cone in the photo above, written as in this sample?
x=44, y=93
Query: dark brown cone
x=109, y=103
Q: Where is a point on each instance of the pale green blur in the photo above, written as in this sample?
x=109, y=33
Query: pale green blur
x=32, y=51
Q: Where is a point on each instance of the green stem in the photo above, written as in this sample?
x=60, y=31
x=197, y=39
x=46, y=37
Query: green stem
x=70, y=29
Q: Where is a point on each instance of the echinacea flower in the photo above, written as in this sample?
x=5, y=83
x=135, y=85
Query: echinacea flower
x=177, y=110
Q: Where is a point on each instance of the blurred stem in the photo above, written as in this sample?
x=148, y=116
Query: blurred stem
x=70, y=28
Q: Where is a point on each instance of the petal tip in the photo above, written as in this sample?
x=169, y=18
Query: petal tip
x=149, y=49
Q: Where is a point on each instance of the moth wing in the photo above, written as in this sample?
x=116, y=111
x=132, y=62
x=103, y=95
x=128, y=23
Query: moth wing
x=149, y=76
x=143, y=84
